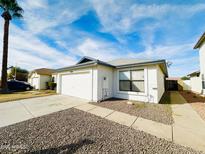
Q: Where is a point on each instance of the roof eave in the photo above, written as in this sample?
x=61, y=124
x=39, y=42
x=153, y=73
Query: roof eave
x=194, y=74
x=146, y=63
x=75, y=67
x=93, y=63
x=200, y=41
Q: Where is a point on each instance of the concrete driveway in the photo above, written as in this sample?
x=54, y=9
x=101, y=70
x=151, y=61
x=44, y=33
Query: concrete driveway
x=17, y=111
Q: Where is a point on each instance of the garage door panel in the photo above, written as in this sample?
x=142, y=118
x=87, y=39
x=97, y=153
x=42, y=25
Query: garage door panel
x=77, y=85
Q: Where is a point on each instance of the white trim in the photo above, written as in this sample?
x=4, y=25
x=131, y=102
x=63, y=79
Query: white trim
x=131, y=92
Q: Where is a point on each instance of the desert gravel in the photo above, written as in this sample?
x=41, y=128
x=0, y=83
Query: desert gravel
x=157, y=112
x=75, y=131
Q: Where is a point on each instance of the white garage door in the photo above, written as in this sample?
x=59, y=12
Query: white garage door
x=77, y=85
x=35, y=82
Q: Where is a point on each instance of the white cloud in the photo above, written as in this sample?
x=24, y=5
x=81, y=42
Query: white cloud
x=28, y=4
x=41, y=16
x=97, y=49
x=29, y=52
x=117, y=17
x=26, y=48
x=122, y=16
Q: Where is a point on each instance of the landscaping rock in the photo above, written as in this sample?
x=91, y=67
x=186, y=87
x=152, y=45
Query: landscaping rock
x=75, y=131
x=157, y=112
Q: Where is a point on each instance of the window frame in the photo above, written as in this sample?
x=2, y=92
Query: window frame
x=130, y=81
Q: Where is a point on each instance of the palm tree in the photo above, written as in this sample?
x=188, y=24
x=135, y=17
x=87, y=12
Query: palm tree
x=10, y=9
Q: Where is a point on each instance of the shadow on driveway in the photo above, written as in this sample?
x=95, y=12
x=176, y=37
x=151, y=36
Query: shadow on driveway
x=172, y=97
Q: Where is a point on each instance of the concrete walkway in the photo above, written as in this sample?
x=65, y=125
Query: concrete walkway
x=188, y=128
x=17, y=111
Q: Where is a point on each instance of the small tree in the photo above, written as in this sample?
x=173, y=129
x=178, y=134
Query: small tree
x=18, y=74
x=185, y=78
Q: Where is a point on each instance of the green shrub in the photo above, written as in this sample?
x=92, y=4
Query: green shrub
x=51, y=85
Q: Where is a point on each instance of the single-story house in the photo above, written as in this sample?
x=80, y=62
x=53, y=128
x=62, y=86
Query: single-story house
x=96, y=80
x=38, y=77
x=201, y=46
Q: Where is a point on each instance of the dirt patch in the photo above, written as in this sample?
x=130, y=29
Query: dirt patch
x=25, y=95
x=156, y=112
x=192, y=97
x=74, y=131
x=196, y=101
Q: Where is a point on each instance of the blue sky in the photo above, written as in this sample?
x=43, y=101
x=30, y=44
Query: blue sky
x=57, y=33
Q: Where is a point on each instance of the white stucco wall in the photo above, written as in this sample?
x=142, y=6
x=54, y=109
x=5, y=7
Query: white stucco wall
x=202, y=63
x=152, y=93
x=196, y=84
x=151, y=86
x=186, y=84
x=42, y=80
x=160, y=83
x=105, y=82
x=35, y=84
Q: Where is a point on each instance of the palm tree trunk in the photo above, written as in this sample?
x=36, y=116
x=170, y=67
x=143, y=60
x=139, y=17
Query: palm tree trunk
x=5, y=57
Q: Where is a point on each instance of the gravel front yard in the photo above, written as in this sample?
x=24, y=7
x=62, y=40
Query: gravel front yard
x=75, y=131
x=196, y=101
x=156, y=112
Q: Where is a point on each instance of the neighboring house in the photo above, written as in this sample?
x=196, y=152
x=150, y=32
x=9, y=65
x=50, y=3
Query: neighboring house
x=201, y=46
x=195, y=82
x=38, y=78
x=177, y=84
x=132, y=79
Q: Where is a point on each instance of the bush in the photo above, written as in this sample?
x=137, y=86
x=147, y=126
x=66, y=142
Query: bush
x=51, y=85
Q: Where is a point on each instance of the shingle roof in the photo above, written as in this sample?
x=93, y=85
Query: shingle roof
x=200, y=41
x=128, y=61
x=119, y=63
x=84, y=64
x=44, y=71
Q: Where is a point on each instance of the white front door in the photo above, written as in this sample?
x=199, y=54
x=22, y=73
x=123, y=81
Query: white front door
x=77, y=85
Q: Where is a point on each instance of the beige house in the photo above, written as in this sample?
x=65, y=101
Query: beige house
x=96, y=80
x=201, y=46
x=38, y=78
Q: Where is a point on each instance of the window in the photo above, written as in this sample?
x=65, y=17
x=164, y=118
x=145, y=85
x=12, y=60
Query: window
x=203, y=84
x=203, y=81
x=131, y=80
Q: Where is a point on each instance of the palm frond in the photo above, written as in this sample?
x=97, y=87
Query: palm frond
x=17, y=15
x=2, y=4
x=13, y=7
x=6, y=4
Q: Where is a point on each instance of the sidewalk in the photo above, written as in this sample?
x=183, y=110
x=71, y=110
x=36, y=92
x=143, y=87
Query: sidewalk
x=188, y=128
